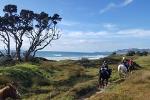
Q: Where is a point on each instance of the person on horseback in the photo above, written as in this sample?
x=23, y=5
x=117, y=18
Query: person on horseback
x=130, y=63
x=125, y=63
x=104, y=73
x=104, y=66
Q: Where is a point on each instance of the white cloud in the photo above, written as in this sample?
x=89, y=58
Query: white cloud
x=96, y=41
x=101, y=40
x=108, y=7
x=134, y=32
x=82, y=34
x=110, y=26
x=68, y=23
x=111, y=6
x=127, y=2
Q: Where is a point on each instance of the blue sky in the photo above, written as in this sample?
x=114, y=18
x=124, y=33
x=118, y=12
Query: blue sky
x=94, y=25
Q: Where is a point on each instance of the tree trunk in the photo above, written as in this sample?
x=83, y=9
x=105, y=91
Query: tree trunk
x=8, y=49
x=18, y=57
x=8, y=45
x=27, y=55
x=18, y=54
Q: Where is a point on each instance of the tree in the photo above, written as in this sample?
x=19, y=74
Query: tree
x=145, y=53
x=113, y=53
x=130, y=53
x=40, y=29
x=23, y=25
x=44, y=31
x=12, y=24
x=6, y=25
x=139, y=53
x=5, y=38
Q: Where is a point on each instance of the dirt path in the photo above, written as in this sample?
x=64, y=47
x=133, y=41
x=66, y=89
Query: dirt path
x=100, y=90
x=92, y=93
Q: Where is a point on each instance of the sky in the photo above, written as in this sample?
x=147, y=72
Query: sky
x=94, y=25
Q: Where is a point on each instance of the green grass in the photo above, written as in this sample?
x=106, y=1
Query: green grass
x=47, y=79
x=69, y=80
x=134, y=87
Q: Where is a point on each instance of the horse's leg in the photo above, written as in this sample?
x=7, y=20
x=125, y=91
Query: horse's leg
x=102, y=83
x=106, y=82
x=98, y=81
x=120, y=74
x=125, y=74
x=130, y=68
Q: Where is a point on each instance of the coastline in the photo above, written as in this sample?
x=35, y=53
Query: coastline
x=76, y=58
x=57, y=56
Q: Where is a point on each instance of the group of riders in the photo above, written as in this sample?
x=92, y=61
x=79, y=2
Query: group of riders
x=105, y=71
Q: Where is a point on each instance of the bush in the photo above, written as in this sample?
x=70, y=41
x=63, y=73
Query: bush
x=144, y=53
x=86, y=62
x=130, y=53
x=6, y=60
x=113, y=53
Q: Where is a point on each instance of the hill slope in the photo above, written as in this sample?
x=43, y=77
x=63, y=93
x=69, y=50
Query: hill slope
x=135, y=87
x=71, y=80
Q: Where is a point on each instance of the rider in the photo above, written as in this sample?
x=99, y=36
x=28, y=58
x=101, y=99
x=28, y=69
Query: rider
x=104, y=73
x=125, y=62
x=130, y=63
x=104, y=67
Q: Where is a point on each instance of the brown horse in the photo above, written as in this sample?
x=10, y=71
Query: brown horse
x=9, y=91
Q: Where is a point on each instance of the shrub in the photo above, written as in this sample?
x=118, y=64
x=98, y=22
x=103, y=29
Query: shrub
x=86, y=62
x=144, y=53
x=130, y=53
x=6, y=60
x=113, y=53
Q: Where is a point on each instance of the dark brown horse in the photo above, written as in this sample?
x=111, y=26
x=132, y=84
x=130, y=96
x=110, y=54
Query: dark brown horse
x=104, y=75
x=9, y=91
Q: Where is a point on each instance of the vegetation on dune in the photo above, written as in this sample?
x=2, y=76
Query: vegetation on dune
x=69, y=80
x=46, y=79
x=139, y=53
x=135, y=87
x=41, y=79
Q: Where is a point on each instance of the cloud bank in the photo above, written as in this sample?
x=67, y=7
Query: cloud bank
x=96, y=41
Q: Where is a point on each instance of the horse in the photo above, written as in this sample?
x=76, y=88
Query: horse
x=104, y=75
x=9, y=91
x=122, y=69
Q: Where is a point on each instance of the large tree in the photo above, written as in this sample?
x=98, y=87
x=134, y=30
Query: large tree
x=13, y=24
x=5, y=37
x=40, y=29
x=44, y=31
x=7, y=25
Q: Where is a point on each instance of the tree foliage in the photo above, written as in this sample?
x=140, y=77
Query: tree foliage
x=139, y=53
x=130, y=53
x=39, y=28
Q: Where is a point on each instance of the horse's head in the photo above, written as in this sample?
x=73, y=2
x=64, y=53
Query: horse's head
x=13, y=92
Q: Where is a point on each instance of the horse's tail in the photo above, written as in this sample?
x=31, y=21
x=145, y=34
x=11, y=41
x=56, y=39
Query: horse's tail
x=119, y=68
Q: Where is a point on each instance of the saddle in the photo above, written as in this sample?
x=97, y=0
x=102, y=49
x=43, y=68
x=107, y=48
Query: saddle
x=106, y=72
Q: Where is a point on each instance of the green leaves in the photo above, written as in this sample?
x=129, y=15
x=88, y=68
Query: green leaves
x=10, y=9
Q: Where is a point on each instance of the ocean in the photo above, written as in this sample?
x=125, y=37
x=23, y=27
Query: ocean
x=55, y=55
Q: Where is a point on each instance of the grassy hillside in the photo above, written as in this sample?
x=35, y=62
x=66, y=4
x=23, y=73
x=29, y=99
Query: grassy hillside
x=69, y=80
x=135, y=87
x=48, y=79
